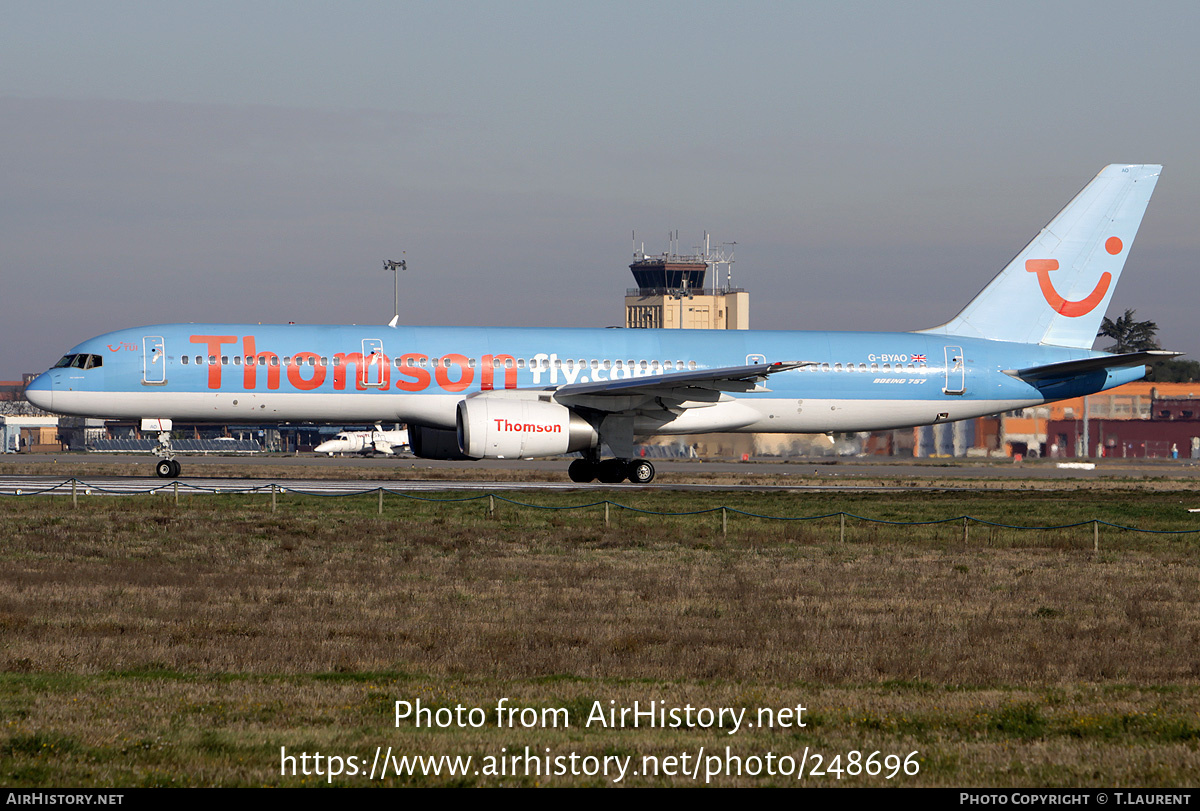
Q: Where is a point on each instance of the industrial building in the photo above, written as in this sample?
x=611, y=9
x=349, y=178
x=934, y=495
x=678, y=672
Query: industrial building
x=1142, y=420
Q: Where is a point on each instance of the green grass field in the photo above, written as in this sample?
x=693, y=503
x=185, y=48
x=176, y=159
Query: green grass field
x=148, y=643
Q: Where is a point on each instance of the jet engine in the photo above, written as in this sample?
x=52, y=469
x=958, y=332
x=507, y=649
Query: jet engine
x=506, y=428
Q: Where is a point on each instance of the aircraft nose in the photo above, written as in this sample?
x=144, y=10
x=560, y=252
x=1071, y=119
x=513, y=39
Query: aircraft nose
x=40, y=392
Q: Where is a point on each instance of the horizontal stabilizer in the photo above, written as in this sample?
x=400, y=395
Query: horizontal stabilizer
x=1071, y=368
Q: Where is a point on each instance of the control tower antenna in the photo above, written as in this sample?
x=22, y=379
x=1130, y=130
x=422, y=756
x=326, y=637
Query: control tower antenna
x=714, y=258
x=706, y=253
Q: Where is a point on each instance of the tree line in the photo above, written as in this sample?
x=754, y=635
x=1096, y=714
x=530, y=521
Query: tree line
x=1131, y=335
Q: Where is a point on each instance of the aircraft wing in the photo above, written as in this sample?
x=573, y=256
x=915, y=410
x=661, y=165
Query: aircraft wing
x=673, y=390
x=1070, y=368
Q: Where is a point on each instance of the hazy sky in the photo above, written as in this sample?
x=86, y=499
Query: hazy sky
x=876, y=163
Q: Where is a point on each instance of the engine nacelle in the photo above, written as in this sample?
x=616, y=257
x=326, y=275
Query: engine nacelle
x=506, y=428
x=434, y=443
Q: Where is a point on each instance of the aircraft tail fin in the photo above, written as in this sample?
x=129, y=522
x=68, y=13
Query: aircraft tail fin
x=1057, y=289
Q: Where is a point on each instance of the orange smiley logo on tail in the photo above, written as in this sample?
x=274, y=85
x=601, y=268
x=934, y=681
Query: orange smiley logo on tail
x=1072, y=309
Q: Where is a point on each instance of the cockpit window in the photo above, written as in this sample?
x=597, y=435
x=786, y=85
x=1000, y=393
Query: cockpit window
x=80, y=361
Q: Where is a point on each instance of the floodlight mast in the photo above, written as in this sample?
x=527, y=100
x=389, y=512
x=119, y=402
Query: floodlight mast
x=396, y=267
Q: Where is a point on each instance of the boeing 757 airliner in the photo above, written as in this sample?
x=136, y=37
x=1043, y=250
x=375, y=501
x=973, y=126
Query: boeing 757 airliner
x=506, y=392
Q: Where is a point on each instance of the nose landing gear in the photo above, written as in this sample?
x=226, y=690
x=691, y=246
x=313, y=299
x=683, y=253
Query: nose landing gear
x=166, y=467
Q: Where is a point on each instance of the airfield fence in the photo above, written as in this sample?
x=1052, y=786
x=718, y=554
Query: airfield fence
x=275, y=490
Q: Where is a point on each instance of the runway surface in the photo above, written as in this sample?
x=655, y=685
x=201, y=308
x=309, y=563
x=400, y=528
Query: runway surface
x=413, y=475
x=130, y=485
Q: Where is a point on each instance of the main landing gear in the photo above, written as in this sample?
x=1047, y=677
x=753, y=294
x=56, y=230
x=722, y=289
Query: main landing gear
x=611, y=471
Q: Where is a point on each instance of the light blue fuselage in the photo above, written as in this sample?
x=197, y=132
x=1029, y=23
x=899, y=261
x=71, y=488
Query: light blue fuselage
x=268, y=373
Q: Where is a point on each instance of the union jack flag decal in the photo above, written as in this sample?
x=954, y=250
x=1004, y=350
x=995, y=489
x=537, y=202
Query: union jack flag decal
x=918, y=358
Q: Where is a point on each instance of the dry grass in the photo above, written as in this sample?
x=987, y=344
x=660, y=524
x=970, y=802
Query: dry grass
x=166, y=729
x=145, y=643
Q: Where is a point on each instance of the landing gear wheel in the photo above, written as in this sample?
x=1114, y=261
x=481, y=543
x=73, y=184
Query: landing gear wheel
x=165, y=467
x=582, y=471
x=640, y=472
x=611, y=471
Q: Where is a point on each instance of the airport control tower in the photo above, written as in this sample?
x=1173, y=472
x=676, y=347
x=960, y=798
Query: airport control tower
x=672, y=293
